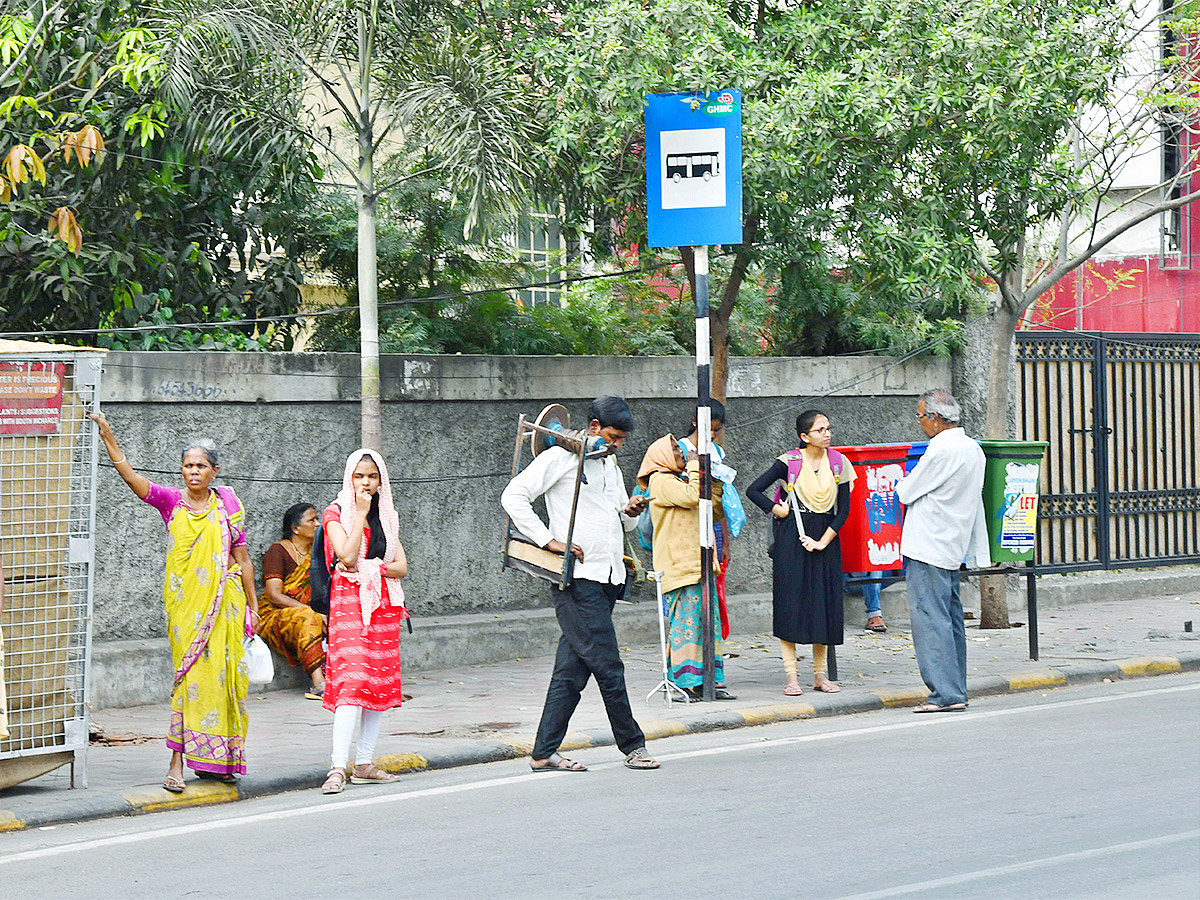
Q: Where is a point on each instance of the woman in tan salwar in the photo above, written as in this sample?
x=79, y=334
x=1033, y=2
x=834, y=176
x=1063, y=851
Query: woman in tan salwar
x=286, y=621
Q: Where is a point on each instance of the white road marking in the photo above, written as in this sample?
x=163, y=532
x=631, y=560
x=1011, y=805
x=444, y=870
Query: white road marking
x=528, y=779
x=900, y=890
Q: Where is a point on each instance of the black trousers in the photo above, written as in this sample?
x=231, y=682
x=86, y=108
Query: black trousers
x=588, y=647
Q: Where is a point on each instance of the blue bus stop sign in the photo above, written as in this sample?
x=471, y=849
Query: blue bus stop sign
x=694, y=168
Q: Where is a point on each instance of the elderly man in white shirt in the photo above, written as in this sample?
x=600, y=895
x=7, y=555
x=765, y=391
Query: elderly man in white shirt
x=944, y=526
x=588, y=646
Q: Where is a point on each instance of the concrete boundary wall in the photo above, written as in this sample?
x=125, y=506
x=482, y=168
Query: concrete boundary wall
x=285, y=423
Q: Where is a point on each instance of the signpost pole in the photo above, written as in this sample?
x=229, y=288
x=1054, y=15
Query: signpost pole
x=704, y=450
x=694, y=199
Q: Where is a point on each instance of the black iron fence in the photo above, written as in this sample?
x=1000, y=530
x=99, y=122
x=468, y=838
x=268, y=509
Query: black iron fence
x=1121, y=480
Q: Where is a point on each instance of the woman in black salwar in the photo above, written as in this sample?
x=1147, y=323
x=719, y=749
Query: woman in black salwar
x=807, y=559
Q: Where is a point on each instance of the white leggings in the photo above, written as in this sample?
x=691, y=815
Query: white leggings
x=344, y=720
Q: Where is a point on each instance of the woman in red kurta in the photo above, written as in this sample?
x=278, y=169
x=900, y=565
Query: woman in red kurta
x=366, y=613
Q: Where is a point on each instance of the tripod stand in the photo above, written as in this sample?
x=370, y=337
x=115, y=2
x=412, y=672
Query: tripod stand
x=666, y=685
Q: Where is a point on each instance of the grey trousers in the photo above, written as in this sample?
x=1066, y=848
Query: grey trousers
x=939, y=635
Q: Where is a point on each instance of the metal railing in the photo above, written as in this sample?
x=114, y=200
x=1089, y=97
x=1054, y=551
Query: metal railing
x=1121, y=482
x=47, y=503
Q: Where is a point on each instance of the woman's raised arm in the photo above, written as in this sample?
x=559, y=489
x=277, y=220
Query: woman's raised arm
x=139, y=484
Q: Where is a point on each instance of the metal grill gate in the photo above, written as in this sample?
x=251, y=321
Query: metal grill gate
x=1121, y=485
x=47, y=503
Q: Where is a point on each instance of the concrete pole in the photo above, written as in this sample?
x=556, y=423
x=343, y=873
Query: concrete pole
x=368, y=276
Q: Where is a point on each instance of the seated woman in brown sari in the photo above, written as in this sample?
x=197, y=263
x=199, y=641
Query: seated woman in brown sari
x=287, y=622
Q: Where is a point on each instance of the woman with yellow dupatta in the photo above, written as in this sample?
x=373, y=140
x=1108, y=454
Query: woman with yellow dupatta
x=287, y=621
x=809, y=510
x=211, y=607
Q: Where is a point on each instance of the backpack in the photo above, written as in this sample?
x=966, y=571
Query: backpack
x=320, y=579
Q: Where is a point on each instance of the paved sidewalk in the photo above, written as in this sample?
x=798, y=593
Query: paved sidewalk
x=490, y=712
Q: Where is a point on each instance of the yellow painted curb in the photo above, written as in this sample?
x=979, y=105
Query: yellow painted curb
x=661, y=728
x=1150, y=665
x=402, y=762
x=521, y=748
x=9, y=821
x=1042, y=678
x=762, y=715
x=575, y=741
x=906, y=697
x=196, y=794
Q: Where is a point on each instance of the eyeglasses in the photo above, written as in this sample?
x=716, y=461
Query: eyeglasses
x=825, y=430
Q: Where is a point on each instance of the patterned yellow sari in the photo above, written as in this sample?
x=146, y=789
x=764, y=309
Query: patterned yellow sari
x=206, y=623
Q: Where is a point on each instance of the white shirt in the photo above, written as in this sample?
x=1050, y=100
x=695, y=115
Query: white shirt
x=599, y=523
x=945, y=522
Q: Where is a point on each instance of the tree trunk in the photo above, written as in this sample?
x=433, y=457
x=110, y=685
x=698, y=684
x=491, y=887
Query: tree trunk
x=368, y=275
x=724, y=310
x=993, y=596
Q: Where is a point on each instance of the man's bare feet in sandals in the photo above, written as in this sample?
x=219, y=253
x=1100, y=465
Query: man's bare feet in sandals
x=556, y=762
x=826, y=686
x=793, y=688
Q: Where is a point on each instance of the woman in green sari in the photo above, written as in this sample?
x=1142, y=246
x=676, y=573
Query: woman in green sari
x=211, y=607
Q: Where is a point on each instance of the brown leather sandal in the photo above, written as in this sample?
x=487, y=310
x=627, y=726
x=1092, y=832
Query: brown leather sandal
x=335, y=782
x=367, y=773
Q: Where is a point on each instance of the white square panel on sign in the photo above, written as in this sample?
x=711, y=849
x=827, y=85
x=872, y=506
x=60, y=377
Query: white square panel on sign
x=693, y=168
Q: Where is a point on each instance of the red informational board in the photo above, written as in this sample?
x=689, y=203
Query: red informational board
x=31, y=395
x=870, y=538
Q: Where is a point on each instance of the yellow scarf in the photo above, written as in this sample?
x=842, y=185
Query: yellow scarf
x=816, y=488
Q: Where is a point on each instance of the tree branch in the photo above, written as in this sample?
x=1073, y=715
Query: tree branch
x=1097, y=244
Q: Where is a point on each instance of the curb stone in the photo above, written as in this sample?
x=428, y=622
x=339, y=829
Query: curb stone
x=149, y=800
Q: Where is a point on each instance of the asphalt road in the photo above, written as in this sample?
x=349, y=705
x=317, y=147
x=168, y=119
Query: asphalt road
x=1076, y=793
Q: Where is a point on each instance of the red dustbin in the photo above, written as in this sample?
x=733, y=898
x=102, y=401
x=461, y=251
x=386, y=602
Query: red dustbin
x=871, y=536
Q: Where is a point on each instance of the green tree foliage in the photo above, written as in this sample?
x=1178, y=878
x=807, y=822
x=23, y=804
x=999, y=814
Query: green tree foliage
x=187, y=213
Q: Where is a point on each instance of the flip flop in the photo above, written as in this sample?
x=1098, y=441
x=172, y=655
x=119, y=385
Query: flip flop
x=928, y=707
x=556, y=762
x=213, y=776
x=173, y=784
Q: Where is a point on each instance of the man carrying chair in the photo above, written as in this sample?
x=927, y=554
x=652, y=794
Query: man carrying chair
x=588, y=646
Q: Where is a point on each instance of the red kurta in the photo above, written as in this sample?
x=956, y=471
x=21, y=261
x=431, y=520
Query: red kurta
x=362, y=667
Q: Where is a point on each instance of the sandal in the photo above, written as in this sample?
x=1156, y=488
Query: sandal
x=213, y=776
x=335, y=782
x=640, y=759
x=827, y=687
x=173, y=784
x=928, y=707
x=793, y=688
x=367, y=773
x=875, y=623
x=556, y=762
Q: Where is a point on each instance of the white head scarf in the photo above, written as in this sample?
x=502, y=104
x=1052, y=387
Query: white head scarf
x=369, y=576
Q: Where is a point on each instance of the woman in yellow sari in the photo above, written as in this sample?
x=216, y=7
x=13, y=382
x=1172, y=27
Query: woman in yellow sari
x=211, y=606
x=288, y=622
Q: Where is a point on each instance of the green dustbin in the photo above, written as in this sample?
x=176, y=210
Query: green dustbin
x=1010, y=497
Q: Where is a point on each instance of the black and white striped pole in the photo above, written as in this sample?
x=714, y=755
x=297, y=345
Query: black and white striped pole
x=704, y=450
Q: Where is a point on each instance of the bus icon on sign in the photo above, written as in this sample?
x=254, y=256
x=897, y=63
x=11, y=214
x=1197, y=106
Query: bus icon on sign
x=693, y=165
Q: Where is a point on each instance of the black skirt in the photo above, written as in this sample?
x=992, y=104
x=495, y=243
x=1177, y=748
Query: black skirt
x=807, y=587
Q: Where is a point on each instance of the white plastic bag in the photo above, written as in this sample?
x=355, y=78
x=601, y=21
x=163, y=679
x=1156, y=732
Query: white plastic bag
x=258, y=660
